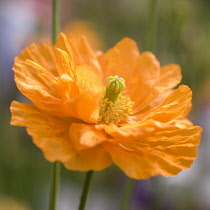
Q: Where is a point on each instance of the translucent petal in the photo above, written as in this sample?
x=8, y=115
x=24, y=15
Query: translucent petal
x=165, y=153
x=51, y=135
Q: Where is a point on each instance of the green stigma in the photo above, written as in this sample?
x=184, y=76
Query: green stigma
x=114, y=86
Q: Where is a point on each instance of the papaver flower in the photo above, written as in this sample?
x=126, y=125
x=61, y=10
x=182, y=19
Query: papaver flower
x=91, y=109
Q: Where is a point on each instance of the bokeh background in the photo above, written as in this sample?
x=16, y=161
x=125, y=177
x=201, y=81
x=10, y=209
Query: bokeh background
x=176, y=31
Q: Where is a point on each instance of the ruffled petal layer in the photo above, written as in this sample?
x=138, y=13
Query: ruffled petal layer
x=170, y=77
x=65, y=83
x=120, y=60
x=95, y=158
x=144, y=77
x=175, y=105
x=79, y=50
x=85, y=136
x=147, y=73
x=165, y=153
x=168, y=116
x=141, y=72
x=51, y=135
x=50, y=78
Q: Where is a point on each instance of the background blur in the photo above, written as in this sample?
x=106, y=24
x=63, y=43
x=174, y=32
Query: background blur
x=176, y=31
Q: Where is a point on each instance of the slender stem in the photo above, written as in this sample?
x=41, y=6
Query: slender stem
x=127, y=194
x=85, y=190
x=55, y=180
x=55, y=20
x=151, y=25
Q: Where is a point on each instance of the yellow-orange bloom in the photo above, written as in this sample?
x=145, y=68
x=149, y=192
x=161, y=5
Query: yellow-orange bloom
x=144, y=130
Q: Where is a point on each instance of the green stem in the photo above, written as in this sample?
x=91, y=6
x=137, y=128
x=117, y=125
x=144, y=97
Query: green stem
x=151, y=25
x=85, y=190
x=55, y=20
x=55, y=180
x=127, y=194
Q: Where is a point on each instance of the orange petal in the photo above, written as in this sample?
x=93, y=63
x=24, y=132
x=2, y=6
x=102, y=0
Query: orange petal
x=141, y=72
x=152, y=105
x=142, y=87
x=120, y=60
x=50, y=134
x=129, y=132
x=169, y=116
x=43, y=88
x=62, y=93
x=64, y=45
x=79, y=51
x=95, y=158
x=134, y=164
x=182, y=123
x=90, y=92
x=36, y=77
x=142, y=129
x=84, y=136
x=65, y=63
x=34, y=67
x=88, y=55
x=85, y=88
x=165, y=153
x=46, y=58
x=170, y=77
x=175, y=105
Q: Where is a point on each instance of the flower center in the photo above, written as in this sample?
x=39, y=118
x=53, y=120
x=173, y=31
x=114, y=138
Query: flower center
x=114, y=106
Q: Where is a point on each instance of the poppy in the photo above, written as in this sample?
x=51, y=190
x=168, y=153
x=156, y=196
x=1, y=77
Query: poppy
x=91, y=109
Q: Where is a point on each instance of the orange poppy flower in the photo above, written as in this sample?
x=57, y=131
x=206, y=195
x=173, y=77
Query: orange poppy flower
x=92, y=110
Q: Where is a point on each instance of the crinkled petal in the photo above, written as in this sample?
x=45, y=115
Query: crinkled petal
x=168, y=116
x=85, y=136
x=79, y=50
x=46, y=58
x=65, y=63
x=170, y=77
x=81, y=97
x=154, y=104
x=142, y=89
x=95, y=158
x=33, y=70
x=88, y=55
x=142, y=129
x=134, y=164
x=90, y=93
x=141, y=72
x=51, y=135
x=120, y=60
x=61, y=92
x=165, y=153
x=129, y=132
x=175, y=105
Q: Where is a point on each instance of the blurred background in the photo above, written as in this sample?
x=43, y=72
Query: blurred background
x=176, y=31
